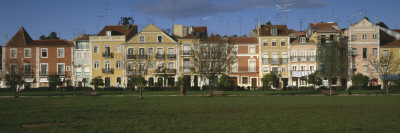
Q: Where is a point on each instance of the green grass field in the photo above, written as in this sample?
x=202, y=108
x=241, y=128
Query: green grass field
x=201, y=114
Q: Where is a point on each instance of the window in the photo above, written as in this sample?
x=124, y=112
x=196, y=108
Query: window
x=170, y=65
x=234, y=65
x=14, y=68
x=354, y=51
x=302, y=39
x=266, y=69
x=131, y=51
x=283, y=43
x=294, y=68
x=302, y=68
x=13, y=53
x=159, y=38
x=265, y=43
x=96, y=64
x=160, y=51
x=44, y=52
x=170, y=50
x=151, y=65
x=151, y=51
x=375, y=51
x=28, y=69
x=364, y=53
x=87, y=71
x=118, y=64
x=141, y=38
x=82, y=45
x=365, y=69
x=374, y=36
x=364, y=36
x=108, y=33
x=284, y=69
x=107, y=65
x=86, y=55
x=252, y=66
x=274, y=31
x=27, y=53
x=385, y=53
x=60, y=52
x=79, y=71
x=68, y=68
x=43, y=69
x=245, y=80
x=273, y=43
x=312, y=68
x=96, y=49
x=252, y=50
x=117, y=48
x=78, y=55
x=141, y=51
x=60, y=69
x=353, y=37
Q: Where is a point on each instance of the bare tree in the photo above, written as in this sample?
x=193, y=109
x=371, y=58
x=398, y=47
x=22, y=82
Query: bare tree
x=387, y=67
x=137, y=69
x=213, y=55
x=332, y=58
x=15, y=71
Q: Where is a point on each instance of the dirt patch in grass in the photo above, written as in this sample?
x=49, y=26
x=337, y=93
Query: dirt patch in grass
x=40, y=124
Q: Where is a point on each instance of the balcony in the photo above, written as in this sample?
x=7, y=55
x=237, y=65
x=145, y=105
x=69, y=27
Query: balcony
x=265, y=60
x=141, y=56
x=130, y=56
x=171, y=71
x=171, y=56
x=302, y=73
x=108, y=70
x=108, y=55
x=186, y=69
x=160, y=56
x=27, y=74
x=186, y=53
x=244, y=70
x=276, y=72
x=61, y=73
x=43, y=73
x=130, y=71
x=302, y=58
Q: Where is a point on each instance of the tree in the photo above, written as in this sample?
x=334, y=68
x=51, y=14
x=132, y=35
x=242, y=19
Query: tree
x=270, y=79
x=138, y=70
x=387, y=67
x=268, y=23
x=54, y=81
x=138, y=80
x=183, y=83
x=15, y=72
x=126, y=20
x=98, y=81
x=225, y=82
x=14, y=81
x=314, y=79
x=382, y=24
x=360, y=79
x=213, y=55
x=333, y=60
x=52, y=35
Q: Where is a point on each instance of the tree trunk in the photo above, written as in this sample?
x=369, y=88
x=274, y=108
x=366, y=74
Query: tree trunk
x=181, y=90
x=140, y=93
x=16, y=93
x=330, y=86
x=210, y=87
x=387, y=88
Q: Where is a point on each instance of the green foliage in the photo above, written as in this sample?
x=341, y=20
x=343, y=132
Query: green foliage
x=382, y=24
x=54, y=81
x=52, y=35
x=138, y=80
x=98, y=81
x=268, y=23
x=126, y=20
x=184, y=81
x=314, y=79
x=360, y=79
x=14, y=80
x=225, y=82
x=270, y=79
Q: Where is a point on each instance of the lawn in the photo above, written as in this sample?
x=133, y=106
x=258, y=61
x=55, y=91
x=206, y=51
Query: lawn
x=201, y=114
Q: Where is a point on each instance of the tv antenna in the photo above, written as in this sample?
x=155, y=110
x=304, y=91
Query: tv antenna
x=312, y=15
x=173, y=13
x=282, y=10
x=362, y=11
x=240, y=23
x=221, y=24
x=100, y=16
x=259, y=7
x=301, y=24
x=150, y=21
x=106, y=9
x=203, y=21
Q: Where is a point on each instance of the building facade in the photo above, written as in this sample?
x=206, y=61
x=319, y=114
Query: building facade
x=82, y=63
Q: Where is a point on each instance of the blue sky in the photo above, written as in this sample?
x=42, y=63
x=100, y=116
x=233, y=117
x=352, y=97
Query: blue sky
x=73, y=17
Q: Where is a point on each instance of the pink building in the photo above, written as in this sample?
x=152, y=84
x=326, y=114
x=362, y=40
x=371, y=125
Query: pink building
x=302, y=60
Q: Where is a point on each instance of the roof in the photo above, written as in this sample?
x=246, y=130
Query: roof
x=202, y=29
x=21, y=38
x=325, y=27
x=396, y=30
x=291, y=31
x=243, y=40
x=116, y=30
x=300, y=33
x=189, y=36
x=265, y=30
x=388, y=41
x=213, y=39
x=81, y=37
x=297, y=40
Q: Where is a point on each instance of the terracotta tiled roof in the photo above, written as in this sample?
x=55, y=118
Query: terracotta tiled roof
x=243, y=40
x=300, y=33
x=291, y=31
x=213, y=38
x=387, y=40
x=265, y=30
x=190, y=36
x=81, y=37
x=21, y=38
x=51, y=42
x=325, y=27
x=202, y=29
x=297, y=40
x=392, y=44
x=116, y=30
x=396, y=30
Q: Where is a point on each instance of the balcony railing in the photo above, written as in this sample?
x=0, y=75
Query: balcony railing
x=171, y=70
x=275, y=61
x=131, y=56
x=186, y=69
x=108, y=70
x=302, y=58
x=302, y=73
x=171, y=56
x=244, y=70
x=167, y=71
x=61, y=73
x=43, y=73
x=186, y=52
x=160, y=56
x=130, y=71
x=141, y=56
x=27, y=75
x=108, y=55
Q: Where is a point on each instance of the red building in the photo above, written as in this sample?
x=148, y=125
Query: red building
x=244, y=69
x=37, y=59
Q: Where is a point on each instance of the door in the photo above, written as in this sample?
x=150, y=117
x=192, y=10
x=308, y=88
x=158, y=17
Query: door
x=107, y=82
x=107, y=65
x=253, y=83
x=171, y=82
x=234, y=79
x=196, y=81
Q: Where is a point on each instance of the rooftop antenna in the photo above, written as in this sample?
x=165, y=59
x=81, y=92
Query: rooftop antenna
x=259, y=7
x=376, y=20
x=133, y=11
x=301, y=24
x=228, y=27
x=173, y=15
x=240, y=23
x=348, y=19
x=276, y=18
x=150, y=21
x=333, y=14
x=6, y=39
x=100, y=17
x=221, y=24
x=59, y=34
x=282, y=9
x=362, y=11
x=203, y=21
x=312, y=15
x=106, y=9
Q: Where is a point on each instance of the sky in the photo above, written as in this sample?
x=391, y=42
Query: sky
x=70, y=18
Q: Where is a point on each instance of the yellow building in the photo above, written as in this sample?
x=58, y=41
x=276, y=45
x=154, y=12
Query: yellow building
x=159, y=49
x=274, y=43
x=107, y=53
x=389, y=48
x=187, y=58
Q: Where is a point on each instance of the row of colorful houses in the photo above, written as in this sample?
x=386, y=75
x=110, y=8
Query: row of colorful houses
x=112, y=53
